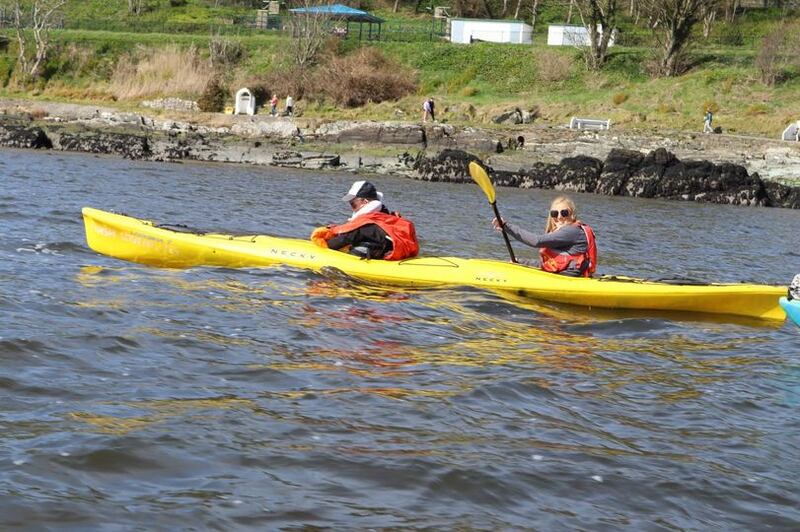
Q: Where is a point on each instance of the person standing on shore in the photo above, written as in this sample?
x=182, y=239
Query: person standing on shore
x=707, y=122
x=568, y=245
x=427, y=109
x=273, y=105
x=289, y=106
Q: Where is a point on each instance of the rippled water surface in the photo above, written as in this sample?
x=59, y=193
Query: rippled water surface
x=135, y=397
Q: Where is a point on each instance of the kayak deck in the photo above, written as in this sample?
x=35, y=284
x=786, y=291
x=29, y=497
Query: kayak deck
x=142, y=241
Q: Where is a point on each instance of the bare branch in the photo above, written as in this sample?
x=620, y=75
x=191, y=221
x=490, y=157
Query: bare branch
x=599, y=17
x=38, y=17
x=672, y=23
x=310, y=30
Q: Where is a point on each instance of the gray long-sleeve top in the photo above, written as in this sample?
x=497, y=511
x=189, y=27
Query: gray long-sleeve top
x=569, y=238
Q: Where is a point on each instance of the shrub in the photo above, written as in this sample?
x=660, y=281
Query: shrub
x=553, y=66
x=224, y=53
x=37, y=113
x=462, y=80
x=6, y=69
x=778, y=54
x=363, y=76
x=468, y=91
x=260, y=87
x=165, y=71
x=619, y=98
x=283, y=82
x=757, y=109
x=710, y=105
x=666, y=108
x=730, y=35
x=213, y=98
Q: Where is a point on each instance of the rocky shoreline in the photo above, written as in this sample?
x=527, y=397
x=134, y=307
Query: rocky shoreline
x=684, y=166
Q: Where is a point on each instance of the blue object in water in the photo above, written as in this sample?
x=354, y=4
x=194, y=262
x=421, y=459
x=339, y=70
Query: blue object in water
x=792, y=308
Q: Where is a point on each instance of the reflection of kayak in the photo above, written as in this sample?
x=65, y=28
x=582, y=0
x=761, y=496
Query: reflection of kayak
x=792, y=308
x=141, y=241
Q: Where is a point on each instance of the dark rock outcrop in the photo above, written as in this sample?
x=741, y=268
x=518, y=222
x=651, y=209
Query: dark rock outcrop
x=22, y=136
x=451, y=166
x=658, y=174
x=125, y=145
x=780, y=195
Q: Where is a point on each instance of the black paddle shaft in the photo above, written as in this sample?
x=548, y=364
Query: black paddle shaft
x=503, y=229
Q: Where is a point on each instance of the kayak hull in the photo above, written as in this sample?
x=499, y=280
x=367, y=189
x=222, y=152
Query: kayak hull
x=792, y=309
x=141, y=241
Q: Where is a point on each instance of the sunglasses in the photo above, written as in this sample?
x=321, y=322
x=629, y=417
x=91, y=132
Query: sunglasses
x=565, y=213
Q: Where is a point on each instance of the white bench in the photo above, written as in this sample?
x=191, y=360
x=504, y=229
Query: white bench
x=589, y=123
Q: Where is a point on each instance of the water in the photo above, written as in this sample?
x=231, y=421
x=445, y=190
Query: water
x=141, y=398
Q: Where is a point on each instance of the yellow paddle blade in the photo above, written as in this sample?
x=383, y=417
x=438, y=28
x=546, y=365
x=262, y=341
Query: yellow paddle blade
x=479, y=175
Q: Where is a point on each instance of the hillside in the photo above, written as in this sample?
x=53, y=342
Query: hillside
x=97, y=57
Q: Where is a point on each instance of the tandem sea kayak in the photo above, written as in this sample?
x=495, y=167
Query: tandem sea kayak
x=145, y=242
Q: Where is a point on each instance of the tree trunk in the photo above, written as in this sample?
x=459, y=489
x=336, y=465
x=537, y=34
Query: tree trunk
x=41, y=21
x=599, y=19
x=534, y=14
x=708, y=20
x=18, y=25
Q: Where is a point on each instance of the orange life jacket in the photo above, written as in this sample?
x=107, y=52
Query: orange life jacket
x=400, y=231
x=558, y=261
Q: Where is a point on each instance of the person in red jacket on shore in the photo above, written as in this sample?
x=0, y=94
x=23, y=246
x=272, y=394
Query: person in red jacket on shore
x=372, y=232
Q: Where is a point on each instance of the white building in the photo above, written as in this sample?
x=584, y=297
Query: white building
x=245, y=102
x=467, y=30
x=792, y=132
x=568, y=35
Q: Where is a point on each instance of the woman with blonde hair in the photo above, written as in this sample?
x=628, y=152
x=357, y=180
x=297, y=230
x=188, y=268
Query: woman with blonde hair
x=568, y=245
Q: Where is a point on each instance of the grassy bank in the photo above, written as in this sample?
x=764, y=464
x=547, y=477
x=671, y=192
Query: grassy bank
x=471, y=83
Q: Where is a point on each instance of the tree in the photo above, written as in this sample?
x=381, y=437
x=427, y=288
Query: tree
x=708, y=14
x=135, y=6
x=778, y=54
x=599, y=17
x=672, y=22
x=38, y=16
x=310, y=30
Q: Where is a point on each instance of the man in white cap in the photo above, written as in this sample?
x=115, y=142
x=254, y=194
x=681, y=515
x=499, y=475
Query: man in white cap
x=372, y=232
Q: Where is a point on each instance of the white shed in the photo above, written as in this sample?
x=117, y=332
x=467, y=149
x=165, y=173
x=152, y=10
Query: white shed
x=570, y=35
x=245, y=102
x=792, y=132
x=467, y=30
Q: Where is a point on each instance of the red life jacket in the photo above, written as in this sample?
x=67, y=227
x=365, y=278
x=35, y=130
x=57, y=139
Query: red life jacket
x=558, y=261
x=400, y=231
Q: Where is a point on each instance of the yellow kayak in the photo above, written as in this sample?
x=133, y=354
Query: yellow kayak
x=142, y=241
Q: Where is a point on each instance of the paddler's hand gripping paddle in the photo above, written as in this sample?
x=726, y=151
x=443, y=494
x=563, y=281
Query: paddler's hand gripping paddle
x=480, y=176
